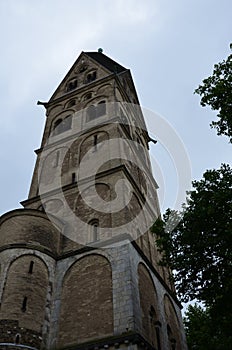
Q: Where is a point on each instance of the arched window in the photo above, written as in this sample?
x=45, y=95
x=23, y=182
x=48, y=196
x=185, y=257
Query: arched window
x=91, y=77
x=62, y=125
x=90, y=113
x=67, y=122
x=171, y=340
x=57, y=126
x=88, y=96
x=96, y=111
x=71, y=85
x=94, y=230
x=71, y=103
x=101, y=108
x=17, y=338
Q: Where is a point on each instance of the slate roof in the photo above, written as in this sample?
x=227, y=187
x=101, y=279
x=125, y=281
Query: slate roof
x=106, y=61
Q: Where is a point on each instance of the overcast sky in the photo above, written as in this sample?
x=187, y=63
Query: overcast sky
x=170, y=46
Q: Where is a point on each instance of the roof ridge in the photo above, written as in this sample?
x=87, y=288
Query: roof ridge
x=106, y=61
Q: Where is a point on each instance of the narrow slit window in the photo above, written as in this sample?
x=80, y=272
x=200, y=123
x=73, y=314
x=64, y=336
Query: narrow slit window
x=73, y=177
x=17, y=338
x=24, y=304
x=95, y=231
x=31, y=266
x=95, y=140
x=157, y=333
x=55, y=162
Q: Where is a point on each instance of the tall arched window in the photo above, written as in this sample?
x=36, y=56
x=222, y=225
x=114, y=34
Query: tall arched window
x=62, y=125
x=101, y=108
x=66, y=123
x=94, y=230
x=90, y=113
x=57, y=126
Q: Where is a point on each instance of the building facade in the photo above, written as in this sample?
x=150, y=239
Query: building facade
x=78, y=264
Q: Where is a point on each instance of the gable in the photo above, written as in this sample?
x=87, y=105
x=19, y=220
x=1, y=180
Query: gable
x=89, y=66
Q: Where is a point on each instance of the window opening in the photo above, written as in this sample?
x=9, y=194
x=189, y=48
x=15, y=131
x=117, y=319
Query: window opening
x=57, y=126
x=73, y=177
x=56, y=159
x=24, y=304
x=31, y=267
x=83, y=68
x=62, y=125
x=91, y=77
x=71, y=103
x=171, y=340
x=72, y=85
x=94, y=230
x=95, y=143
x=88, y=96
x=17, y=338
x=157, y=333
x=91, y=113
x=101, y=108
x=67, y=122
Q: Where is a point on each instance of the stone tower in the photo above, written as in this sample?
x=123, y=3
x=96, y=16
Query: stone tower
x=78, y=264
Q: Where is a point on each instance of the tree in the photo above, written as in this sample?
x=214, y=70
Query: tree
x=200, y=330
x=197, y=327
x=216, y=92
x=198, y=249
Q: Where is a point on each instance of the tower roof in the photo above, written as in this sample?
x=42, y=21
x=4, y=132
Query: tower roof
x=106, y=61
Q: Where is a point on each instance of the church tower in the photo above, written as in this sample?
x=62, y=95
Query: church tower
x=78, y=264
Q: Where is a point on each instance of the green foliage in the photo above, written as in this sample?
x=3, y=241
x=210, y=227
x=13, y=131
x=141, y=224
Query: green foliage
x=197, y=328
x=216, y=92
x=199, y=248
x=201, y=332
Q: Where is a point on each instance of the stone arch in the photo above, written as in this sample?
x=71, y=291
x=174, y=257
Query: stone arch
x=87, y=213
x=58, y=157
x=24, y=298
x=86, y=301
x=90, y=143
x=87, y=96
x=71, y=103
x=172, y=324
x=62, y=122
x=104, y=89
x=149, y=307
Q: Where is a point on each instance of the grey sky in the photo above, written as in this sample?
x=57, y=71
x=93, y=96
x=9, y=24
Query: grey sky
x=170, y=46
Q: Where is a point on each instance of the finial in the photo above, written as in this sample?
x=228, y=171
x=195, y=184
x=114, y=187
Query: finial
x=100, y=50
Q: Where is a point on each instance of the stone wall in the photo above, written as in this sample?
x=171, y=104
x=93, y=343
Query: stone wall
x=86, y=301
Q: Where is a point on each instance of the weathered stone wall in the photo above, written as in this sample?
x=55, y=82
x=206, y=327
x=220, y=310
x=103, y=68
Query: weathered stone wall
x=86, y=301
x=149, y=306
x=31, y=228
x=10, y=330
x=25, y=292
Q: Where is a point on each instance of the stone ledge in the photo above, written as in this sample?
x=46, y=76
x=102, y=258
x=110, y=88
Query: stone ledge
x=113, y=341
